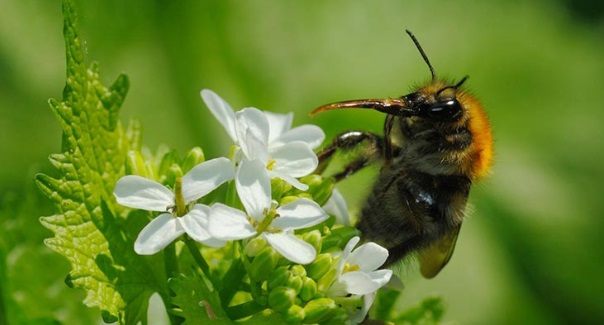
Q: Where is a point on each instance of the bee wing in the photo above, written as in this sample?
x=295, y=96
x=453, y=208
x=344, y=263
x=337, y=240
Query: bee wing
x=433, y=258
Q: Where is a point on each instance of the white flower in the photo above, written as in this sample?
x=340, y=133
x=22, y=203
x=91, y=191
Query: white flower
x=275, y=225
x=358, y=274
x=142, y=193
x=357, y=268
x=336, y=206
x=285, y=153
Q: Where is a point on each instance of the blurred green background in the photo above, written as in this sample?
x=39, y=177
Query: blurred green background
x=531, y=249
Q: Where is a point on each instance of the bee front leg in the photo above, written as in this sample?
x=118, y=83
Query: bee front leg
x=347, y=141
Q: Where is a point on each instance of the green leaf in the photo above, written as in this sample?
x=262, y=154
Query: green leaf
x=429, y=311
x=199, y=302
x=87, y=229
x=384, y=304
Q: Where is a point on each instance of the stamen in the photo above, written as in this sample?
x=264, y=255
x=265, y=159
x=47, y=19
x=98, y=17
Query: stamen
x=271, y=164
x=351, y=267
x=181, y=206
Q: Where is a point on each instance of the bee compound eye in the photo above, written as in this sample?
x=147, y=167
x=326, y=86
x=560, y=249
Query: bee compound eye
x=445, y=111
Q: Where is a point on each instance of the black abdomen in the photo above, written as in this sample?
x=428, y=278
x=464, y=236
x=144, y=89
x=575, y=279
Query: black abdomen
x=408, y=210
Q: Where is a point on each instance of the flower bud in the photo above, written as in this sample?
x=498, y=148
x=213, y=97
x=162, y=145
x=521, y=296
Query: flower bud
x=263, y=264
x=295, y=282
x=168, y=158
x=193, y=158
x=338, y=237
x=279, y=187
x=319, y=188
x=339, y=317
x=312, y=180
x=288, y=199
x=278, y=277
x=314, y=238
x=298, y=270
x=295, y=314
x=326, y=280
x=309, y=289
x=135, y=164
x=173, y=173
x=255, y=246
x=281, y=298
x=320, y=266
x=319, y=310
x=305, y=196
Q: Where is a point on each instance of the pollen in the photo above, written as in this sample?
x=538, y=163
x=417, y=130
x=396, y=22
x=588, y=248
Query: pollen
x=351, y=267
x=271, y=164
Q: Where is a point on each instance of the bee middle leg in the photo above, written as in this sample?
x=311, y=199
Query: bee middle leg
x=348, y=141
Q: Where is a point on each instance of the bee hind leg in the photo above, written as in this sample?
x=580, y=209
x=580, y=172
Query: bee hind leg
x=348, y=141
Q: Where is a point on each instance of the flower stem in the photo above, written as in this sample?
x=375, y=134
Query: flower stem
x=201, y=262
x=231, y=195
x=170, y=261
x=233, y=277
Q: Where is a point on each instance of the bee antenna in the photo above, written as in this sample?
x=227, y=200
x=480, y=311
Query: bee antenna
x=421, y=51
x=458, y=84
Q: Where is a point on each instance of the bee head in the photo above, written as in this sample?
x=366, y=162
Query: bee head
x=437, y=102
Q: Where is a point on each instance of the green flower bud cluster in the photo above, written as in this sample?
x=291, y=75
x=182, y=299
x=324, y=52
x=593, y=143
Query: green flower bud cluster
x=298, y=293
x=319, y=189
x=165, y=166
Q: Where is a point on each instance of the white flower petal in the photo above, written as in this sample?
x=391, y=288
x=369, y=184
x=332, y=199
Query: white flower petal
x=291, y=247
x=381, y=277
x=295, y=159
x=253, y=148
x=222, y=111
x=279, y=124
x=299, y=214
x=252, y=132
x=289, y=179
x=142, y=193
x=336, y=206
x=350, y=246
x=346, y=252
x=214, y=242
x=254, y=188
x=206, y=177
x=195, y=223
x=227, y=223
x=369, y=256
x=310, y=134
x=359, y=283
x=159, y=233
x=156, y=311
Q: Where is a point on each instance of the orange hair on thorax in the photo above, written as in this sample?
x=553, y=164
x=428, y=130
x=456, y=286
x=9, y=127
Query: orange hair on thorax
x=481, y=150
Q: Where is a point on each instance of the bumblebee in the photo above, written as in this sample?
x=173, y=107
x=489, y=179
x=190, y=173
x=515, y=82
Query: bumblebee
x=437, y=141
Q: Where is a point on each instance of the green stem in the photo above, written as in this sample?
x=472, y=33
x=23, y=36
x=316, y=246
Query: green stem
x=170, y=261
x=243, y=310
x=231, y=195
x=233, y=277
x=201, y=262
